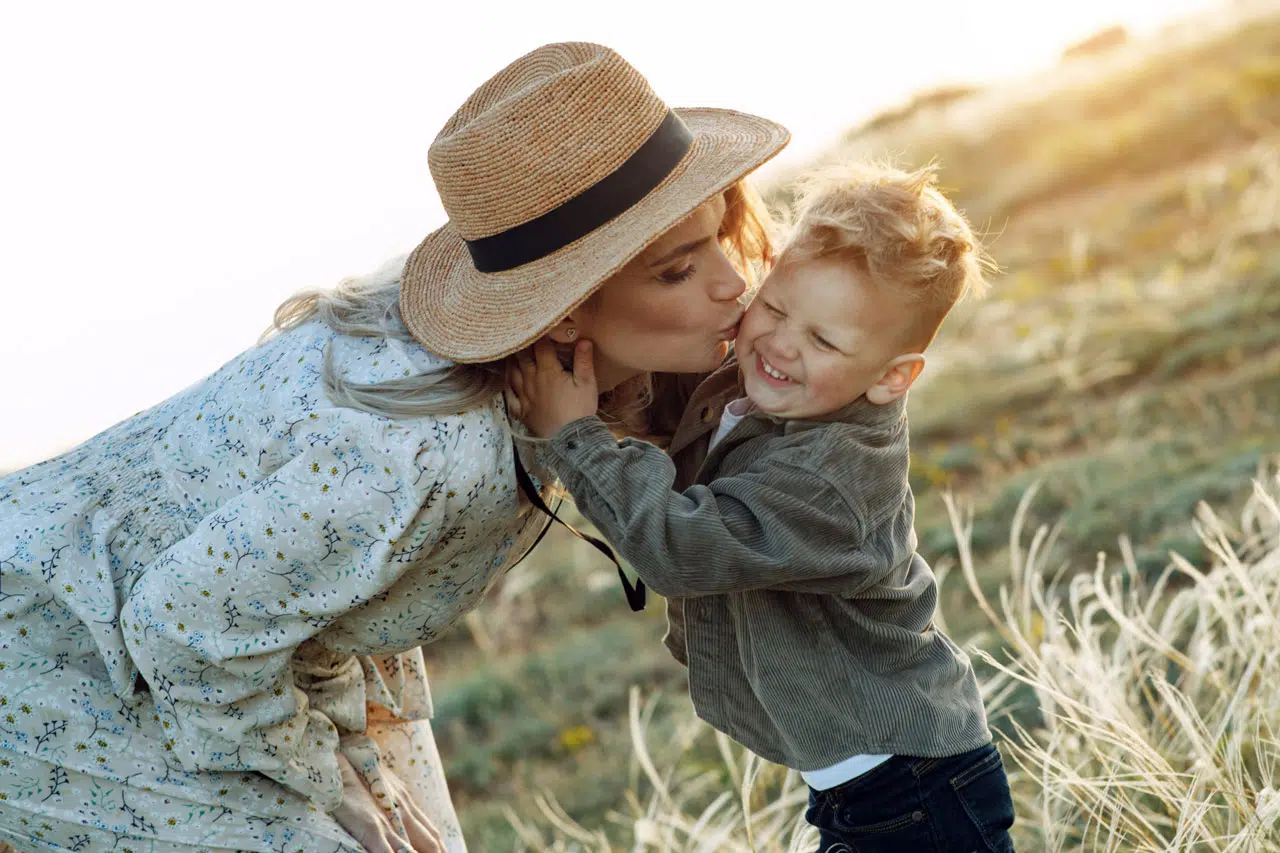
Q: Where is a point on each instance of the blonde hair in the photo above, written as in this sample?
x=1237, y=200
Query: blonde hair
x=899, y=231
x=369, y=306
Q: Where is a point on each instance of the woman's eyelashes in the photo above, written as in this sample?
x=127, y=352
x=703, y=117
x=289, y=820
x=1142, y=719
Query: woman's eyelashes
x=675, y=276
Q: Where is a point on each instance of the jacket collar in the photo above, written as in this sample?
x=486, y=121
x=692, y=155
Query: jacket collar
x=861, y=412
x=702, y=413
x=707, y=403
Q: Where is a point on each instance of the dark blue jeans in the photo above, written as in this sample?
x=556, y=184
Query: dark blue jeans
x=959, y=804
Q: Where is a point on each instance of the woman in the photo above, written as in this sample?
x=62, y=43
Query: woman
x=210, y=613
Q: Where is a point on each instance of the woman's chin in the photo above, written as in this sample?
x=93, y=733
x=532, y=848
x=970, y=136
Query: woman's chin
x=716, y=357
x=690, y=360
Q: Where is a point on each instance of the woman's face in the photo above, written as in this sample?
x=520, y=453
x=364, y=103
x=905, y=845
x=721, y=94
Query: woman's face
x=672, y=309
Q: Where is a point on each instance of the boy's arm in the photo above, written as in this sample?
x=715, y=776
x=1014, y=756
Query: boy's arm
x=774, y=526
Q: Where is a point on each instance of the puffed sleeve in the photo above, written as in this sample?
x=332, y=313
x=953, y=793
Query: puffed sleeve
x=214, y=621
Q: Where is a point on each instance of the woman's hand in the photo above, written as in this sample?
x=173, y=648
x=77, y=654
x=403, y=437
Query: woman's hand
x=370, y=825
x=544, y=395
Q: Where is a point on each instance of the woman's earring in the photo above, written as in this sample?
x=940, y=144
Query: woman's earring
x=570, y=333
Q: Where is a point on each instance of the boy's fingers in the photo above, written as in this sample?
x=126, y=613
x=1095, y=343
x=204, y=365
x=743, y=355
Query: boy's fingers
x=515, y=379
x=544, y=352
x=514, y=407
x=584, y=368
x=528, y=379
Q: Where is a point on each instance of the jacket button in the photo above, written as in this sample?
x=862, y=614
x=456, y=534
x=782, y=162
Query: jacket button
x=917, y=816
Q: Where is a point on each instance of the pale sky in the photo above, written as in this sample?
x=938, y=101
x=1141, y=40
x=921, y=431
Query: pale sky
x=170, y=171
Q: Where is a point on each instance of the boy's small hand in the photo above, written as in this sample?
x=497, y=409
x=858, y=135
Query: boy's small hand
x=545, y=396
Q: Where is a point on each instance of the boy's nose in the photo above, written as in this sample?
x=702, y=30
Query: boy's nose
x=781, y=344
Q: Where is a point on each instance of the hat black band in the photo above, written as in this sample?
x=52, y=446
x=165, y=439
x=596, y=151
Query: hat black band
x=649, y=166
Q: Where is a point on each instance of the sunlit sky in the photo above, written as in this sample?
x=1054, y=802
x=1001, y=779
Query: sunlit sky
x=170, y=171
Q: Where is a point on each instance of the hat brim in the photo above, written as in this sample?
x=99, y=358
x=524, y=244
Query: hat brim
x=469, y=316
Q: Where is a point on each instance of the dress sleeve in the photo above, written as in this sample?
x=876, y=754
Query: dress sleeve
x=214, y=621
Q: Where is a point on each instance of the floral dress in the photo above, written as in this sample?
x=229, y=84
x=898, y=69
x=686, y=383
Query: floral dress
x=200, y=606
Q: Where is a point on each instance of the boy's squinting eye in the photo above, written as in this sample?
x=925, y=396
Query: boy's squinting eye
x=772, y=309
x=822, y=342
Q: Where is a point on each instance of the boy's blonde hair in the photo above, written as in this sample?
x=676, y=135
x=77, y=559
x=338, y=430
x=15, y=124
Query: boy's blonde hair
x=899, y=231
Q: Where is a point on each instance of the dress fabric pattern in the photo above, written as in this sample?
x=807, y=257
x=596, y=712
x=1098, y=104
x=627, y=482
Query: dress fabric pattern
x=202, y=604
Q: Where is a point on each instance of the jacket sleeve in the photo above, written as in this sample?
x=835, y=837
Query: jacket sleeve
x=213, y=623
x=774, y=526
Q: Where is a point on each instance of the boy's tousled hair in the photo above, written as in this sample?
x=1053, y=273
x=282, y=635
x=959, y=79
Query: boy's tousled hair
x=899, y=231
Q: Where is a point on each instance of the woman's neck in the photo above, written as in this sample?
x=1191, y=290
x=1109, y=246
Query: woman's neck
x=610, y=375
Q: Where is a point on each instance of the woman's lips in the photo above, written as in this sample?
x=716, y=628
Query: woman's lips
x=730, y=332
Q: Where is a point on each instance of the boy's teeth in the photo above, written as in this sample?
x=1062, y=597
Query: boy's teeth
x=773, y=371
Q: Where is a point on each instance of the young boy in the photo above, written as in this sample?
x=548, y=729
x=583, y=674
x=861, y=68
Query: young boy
x=796, y=597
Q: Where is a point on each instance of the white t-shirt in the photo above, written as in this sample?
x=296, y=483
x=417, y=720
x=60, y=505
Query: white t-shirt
x=733, y=413
x=856, y=765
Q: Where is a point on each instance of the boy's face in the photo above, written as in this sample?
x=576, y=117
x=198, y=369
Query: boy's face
x=816, y=338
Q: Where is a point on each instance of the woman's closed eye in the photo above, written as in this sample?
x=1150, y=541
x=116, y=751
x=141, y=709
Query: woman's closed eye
x=678, y=274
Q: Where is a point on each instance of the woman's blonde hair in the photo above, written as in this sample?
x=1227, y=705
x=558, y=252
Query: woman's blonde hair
x=369, y=306
x=896, y=228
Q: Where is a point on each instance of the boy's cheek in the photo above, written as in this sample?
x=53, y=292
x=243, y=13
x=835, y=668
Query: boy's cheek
x=832, y=391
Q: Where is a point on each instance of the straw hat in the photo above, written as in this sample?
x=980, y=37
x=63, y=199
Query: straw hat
x=555, y=173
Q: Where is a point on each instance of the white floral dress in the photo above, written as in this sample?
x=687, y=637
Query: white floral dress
x=198, y=606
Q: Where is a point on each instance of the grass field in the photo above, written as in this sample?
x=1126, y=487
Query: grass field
x=1127, y=362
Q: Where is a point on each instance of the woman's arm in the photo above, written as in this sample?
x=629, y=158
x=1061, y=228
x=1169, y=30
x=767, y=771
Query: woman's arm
x=214, y=621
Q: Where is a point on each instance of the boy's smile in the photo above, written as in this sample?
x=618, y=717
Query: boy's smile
x=770, y=373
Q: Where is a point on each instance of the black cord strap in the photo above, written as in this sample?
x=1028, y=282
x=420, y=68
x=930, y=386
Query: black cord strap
x=635, y=594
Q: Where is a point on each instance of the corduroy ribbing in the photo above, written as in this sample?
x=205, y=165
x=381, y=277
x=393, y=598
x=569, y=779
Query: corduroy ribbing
x=807, y=615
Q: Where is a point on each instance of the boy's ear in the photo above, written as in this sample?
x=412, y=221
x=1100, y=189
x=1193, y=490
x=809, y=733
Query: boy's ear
x=896, y=379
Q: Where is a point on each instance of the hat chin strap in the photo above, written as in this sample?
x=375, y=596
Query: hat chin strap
x=613, y=194
x=635, y=594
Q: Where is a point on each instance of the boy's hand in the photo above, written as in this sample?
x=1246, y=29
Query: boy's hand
x=545, y=396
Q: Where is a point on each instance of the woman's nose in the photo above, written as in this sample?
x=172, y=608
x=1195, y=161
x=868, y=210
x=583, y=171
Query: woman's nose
x=728, y=285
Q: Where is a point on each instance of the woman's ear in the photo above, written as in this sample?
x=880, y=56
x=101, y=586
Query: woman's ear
x=565, y=332
x=896, y=379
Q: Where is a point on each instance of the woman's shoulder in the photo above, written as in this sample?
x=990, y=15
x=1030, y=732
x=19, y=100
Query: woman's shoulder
x=375, y=359
x=362, y=359
x=282, y=387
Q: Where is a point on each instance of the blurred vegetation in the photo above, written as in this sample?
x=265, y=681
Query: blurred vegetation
x=1128, y=358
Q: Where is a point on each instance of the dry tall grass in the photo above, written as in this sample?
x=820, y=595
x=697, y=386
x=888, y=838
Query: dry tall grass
x=1143, y=716
x=1158, y=703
